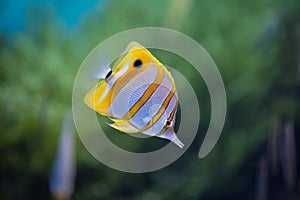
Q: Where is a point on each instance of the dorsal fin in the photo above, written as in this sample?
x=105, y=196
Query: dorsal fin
x=100, y=71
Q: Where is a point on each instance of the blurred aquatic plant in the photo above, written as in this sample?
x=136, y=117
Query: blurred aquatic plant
x=277, y=172
x=62, y=179
x=36, y=84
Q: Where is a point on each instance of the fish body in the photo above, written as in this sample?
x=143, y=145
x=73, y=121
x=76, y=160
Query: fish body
x=138, y=94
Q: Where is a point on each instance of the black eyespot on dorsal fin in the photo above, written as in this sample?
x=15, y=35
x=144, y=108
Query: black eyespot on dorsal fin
x=137, y=63
x=168, y=123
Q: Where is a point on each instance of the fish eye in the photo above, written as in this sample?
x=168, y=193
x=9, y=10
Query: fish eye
x=108, y=74
x=137, y=63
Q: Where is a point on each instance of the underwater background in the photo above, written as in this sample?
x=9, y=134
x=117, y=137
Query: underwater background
x=256, y=46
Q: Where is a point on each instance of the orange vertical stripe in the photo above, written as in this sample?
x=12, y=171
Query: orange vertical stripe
x=161, y=110
x=147, y=94
x=169, y=119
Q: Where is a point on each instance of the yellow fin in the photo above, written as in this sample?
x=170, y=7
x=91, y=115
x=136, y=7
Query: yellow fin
x=132, y=52
x=123, y=126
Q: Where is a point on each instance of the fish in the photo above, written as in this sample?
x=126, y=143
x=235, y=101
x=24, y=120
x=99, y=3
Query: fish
x=137, y=93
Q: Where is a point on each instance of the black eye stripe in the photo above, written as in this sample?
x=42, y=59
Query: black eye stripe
x=137, y=63
x=108, y=74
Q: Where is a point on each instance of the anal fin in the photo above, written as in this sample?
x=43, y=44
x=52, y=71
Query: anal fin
x=123, y=126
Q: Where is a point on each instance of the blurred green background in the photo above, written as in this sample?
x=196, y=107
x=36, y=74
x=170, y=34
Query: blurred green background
x=256, y=46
